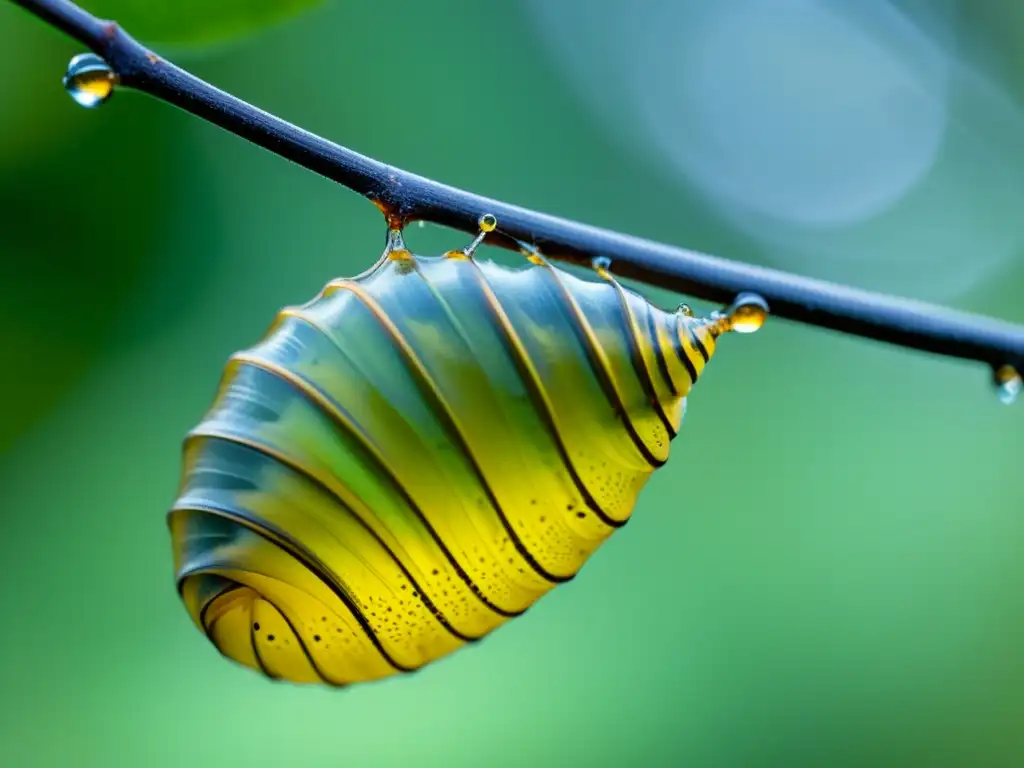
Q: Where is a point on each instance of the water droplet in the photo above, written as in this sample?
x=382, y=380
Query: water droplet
x=1008, y=384
x=89, y=80
x=421, y=223
x=601, y=263
x=685, y=310
x=487, y=223
x=747, y=313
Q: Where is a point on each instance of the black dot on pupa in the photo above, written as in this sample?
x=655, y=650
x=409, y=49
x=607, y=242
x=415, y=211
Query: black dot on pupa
x=270, y=638
x=316, y=638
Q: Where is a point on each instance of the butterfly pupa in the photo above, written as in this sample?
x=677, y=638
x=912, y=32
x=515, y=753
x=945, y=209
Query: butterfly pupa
x=419, y=454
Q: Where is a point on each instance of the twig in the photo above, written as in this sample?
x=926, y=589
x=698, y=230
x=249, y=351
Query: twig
x=407, y=197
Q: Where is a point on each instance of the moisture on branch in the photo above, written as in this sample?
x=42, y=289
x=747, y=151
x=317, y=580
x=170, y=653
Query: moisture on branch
x=407, y=197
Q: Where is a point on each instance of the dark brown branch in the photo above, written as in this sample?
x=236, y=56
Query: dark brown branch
x=411, y=197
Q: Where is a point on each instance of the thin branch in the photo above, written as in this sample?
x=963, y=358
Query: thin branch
x=408, y=197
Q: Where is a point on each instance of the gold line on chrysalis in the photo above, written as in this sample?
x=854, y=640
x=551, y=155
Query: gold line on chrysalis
x=256, y=652
x=269, y=452
x=208, y=628
x=697, y=343
x=430, y=388
x=686, y=343
x=310, y=561
x=659, y=353
x=326, y=405
x=531, y=379
x=602, y=369
x=334, y=412
x=303, y=647
x=639, y=361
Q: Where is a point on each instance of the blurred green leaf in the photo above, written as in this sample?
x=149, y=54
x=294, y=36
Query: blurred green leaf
x=30, y=122
x=87, y=238
x=195, y=21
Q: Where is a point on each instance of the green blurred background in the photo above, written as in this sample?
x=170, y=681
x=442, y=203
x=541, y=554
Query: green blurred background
x=828, y=572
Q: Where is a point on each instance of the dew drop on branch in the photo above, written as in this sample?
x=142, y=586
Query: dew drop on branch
x=89, y=80
x=1008, y=384
x=748, y=313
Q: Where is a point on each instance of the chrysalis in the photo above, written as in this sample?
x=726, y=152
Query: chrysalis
x=421, y=453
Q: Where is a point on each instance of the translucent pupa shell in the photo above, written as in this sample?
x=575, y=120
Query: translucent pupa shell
x=420, y=454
